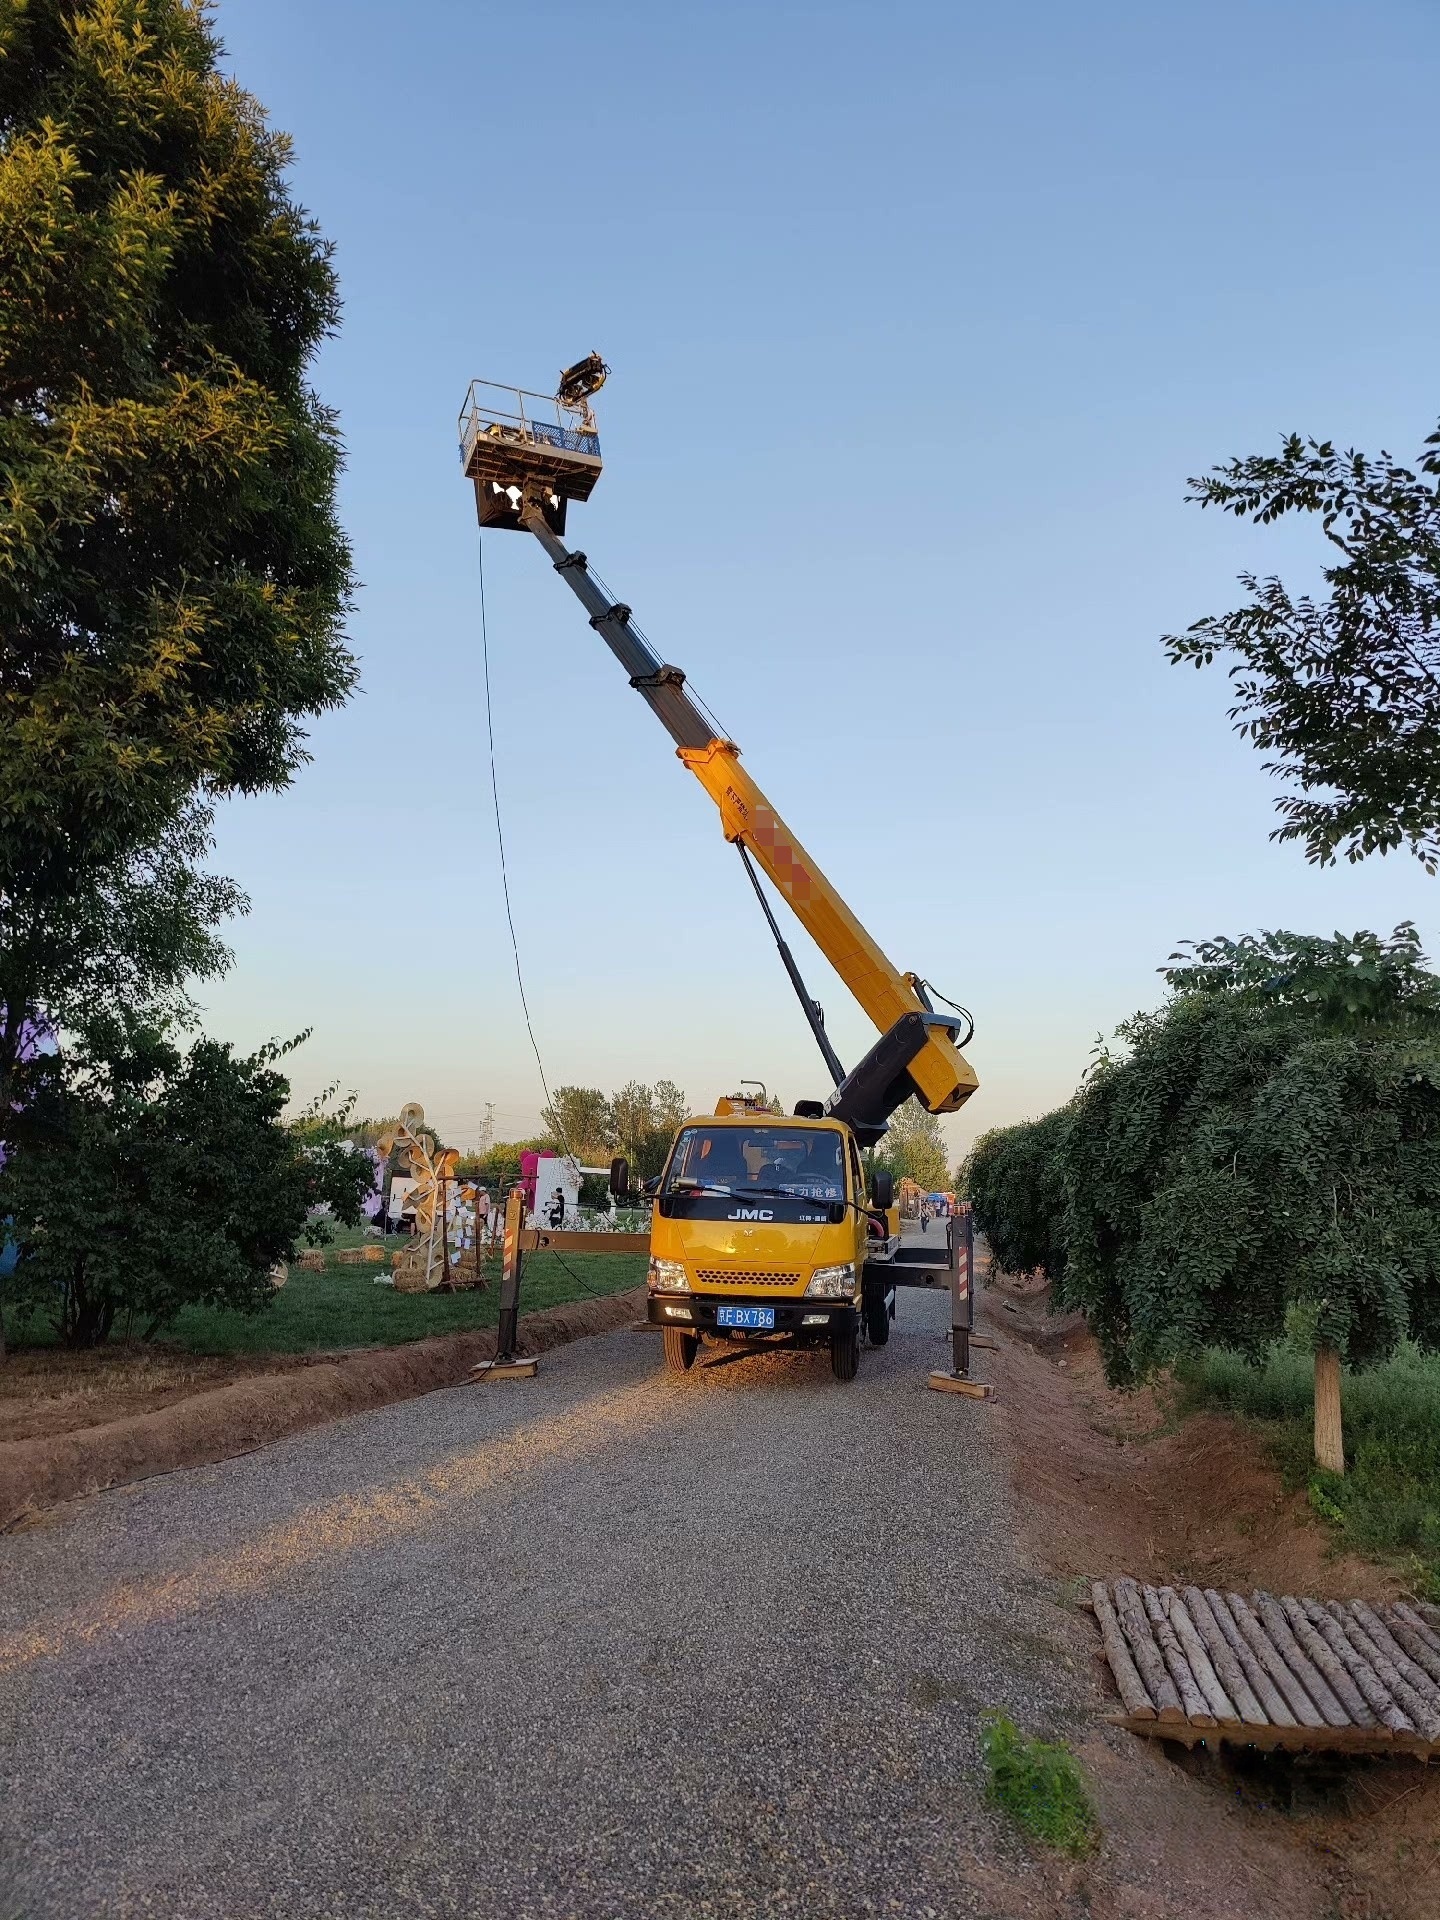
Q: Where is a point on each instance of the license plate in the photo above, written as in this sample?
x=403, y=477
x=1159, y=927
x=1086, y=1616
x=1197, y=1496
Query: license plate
x=755, y=1318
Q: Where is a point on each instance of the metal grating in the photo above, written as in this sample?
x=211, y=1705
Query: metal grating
x=737, y=1277
x=505, y=423
x=570, y=438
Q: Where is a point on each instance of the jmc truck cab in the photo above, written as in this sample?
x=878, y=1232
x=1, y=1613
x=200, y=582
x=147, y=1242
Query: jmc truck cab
x=763, y=1232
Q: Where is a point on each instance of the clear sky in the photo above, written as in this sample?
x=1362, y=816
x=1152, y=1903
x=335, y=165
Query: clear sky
x=920, y=315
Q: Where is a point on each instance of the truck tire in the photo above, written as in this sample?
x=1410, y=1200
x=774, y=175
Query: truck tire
x=845, y=1353
x=680, y=1349
x=877, y=1320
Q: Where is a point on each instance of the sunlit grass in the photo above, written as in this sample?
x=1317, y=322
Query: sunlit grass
x=1388, y=1501
x=344, y=1307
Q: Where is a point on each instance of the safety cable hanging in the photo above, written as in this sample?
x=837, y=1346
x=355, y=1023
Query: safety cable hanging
x=550, y=1108
x=500, y=841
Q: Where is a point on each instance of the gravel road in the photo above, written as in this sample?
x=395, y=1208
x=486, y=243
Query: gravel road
x=598, y=1645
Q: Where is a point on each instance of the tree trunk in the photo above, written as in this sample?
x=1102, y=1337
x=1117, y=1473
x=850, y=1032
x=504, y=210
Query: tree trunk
x=1329, y=1430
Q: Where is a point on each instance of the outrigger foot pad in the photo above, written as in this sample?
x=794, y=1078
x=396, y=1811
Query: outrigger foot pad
x=944, y=1381
x=505, y=1367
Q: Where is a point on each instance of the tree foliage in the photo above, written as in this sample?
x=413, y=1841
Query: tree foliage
x=914, y=1148
x=1261, y=1153
x=1013, y=1179
x=151, y=1179
x=636, y=1120
x=643, y=1123
x=580, y=1118
x=127, y=935
x=498, y=1168
x=172, y=576
x=1343, y=690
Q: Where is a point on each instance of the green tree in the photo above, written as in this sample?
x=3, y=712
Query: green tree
x=151, y=1179
x=1342, y=690
x=1262, y=1156
x=644, y=1120
x=498, y=1168
x=1012, y=1177
x=915, y=1148
x=579, y=1118
x=671, y=1105
x=172, y=576
x=127, y=935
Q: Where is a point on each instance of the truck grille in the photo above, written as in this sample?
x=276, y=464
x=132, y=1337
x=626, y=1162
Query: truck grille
x=735, y=1277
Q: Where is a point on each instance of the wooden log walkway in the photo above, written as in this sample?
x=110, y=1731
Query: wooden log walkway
x=1264, y=1670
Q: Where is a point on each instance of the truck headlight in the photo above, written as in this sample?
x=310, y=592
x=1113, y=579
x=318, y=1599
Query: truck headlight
x=667, y=1276
x=832, y=1283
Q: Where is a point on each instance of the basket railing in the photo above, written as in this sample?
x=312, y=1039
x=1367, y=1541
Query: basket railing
x=533, y=419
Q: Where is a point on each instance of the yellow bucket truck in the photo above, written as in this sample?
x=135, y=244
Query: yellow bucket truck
x=764, y=1226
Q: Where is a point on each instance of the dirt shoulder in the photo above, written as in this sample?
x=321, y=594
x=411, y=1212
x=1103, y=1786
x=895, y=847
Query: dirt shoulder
x=1110, y=1483
x=111, y=1418
x=1127, y=1486
x=48, y=1391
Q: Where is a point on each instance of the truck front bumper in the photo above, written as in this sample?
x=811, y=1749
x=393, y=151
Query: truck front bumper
x=800, y=1320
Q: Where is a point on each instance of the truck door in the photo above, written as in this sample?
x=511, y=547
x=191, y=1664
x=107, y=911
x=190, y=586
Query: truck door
x=859, y=1196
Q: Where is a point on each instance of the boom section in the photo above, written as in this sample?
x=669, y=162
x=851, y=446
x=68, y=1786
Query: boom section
x=942, y=1076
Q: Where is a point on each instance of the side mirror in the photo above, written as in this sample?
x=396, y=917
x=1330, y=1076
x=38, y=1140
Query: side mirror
x=882, y=1189
x=620, y=1177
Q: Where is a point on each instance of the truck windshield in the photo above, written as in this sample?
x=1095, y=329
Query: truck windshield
x=806, y=1162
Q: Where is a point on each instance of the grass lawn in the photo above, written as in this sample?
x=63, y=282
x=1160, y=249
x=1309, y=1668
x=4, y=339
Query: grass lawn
x=343, y=1307
x=1388, y=1501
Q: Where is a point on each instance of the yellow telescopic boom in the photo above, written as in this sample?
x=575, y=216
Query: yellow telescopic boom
x=529, y=455
x=942, y=1076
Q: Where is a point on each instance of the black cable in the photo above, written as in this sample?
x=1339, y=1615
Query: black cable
x=955, y=1007
x=811, y=1008
x=595, y=1293
x=554, y=1117
x=500, y=840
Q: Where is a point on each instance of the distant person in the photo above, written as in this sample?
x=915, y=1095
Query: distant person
x=555, y=1212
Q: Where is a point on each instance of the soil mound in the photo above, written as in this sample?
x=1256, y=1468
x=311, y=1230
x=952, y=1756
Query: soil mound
x=1126, y=1487
x=199, y=1422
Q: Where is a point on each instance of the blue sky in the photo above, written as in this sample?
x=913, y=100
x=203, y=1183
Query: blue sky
x=919, y=316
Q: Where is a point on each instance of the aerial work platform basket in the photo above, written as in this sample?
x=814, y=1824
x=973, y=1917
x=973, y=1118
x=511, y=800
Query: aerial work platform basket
x=515, y=445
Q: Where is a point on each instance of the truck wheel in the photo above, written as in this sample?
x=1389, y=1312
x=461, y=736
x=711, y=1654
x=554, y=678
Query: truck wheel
x=877, y=1321
x=680, y=1349
x=845, y=1353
